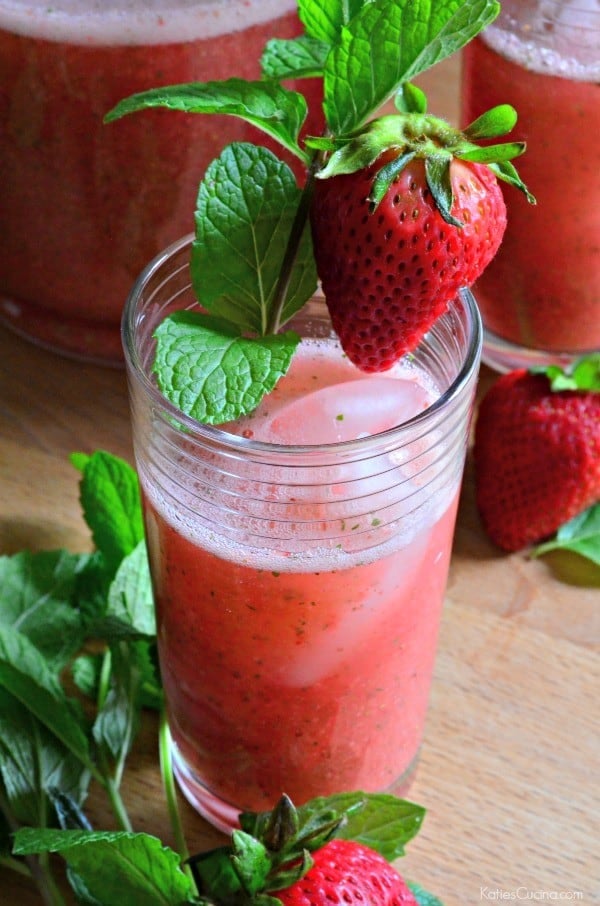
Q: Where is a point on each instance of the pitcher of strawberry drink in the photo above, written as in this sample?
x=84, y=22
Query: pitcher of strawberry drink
x=299, y=556
x=84, y=205
x=540, y=297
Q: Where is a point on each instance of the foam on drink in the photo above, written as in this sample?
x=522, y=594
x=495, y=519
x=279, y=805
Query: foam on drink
x=136, y=22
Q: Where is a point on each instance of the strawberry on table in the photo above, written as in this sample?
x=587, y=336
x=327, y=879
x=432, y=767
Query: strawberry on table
x=347, y=873
x=537, y=452
x=334, y=850
x=405, y=214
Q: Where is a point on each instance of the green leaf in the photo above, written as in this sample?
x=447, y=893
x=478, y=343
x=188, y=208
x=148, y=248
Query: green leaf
x=214, y=872
x=302, y=57
x=212, y=373
x=385, y=177
x=26, y=674
x=37, y=597
x=410, y=99
x=32, y=762
x=246, y=206
x=251, y=861
x=117, y=722
x=581, y=375
x=130, y=599
x=111, y=502
x=498, y=121
x=437, y=174
x=492, y=153
x=275, y=110
x=581, y=535
x=324, y=21
x=422, y=896
x=507, y=172
x=115, y=867
x=390, y=42
x=383, y=822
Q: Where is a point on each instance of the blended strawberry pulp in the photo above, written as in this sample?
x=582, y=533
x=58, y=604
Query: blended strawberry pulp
x=85, y=206
x=304, y=668
x=542, y=290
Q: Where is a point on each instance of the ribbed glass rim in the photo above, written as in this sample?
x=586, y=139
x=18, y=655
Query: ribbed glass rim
x=247, y=445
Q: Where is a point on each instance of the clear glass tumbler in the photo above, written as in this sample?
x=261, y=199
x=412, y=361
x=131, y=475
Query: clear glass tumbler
x=84, y=206
x=298, y=588
x=540, y=296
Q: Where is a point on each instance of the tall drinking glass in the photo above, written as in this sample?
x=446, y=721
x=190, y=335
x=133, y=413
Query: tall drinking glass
x=299, y=582
x=84, y=206
x=540, y=296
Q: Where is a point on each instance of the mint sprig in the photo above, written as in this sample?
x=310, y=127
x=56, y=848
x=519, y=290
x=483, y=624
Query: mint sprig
x=364, y=51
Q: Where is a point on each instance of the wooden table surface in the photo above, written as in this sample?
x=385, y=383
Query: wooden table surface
x=509, y=768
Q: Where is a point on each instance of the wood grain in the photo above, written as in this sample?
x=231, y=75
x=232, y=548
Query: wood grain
x=509, y=766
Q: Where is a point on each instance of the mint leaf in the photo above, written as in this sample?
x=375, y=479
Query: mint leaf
x=294, y=58
x=267, y=105
x=130, y=599
x=383, y=822
x=26, y=674
x=111, y=503
x=212, y=373
x=117, y=722
x=380, y=821
x=390, y=42
x=581, y=535
x=324, y=21
x=115, y=867
x=422, y=896
x=584, y=374
x=37, y=597
x=32, y=761
x=246, y=207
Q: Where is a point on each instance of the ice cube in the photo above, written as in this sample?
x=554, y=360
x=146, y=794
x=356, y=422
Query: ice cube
x=346, y=411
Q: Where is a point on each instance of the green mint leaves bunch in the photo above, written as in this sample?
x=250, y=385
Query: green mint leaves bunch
x=77, y=666
x=252, y=264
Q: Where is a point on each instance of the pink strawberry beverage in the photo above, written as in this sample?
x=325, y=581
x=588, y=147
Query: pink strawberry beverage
x=299, y=558
x=85, y=205
x=540, y=296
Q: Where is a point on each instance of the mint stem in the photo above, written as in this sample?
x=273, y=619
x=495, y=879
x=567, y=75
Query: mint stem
x=166, y=771
x=118, y=807
x=293, y=245
x=32, y=865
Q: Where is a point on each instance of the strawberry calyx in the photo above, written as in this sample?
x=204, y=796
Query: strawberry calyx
x=398, y=138
x=272, y=850
x=581, y=375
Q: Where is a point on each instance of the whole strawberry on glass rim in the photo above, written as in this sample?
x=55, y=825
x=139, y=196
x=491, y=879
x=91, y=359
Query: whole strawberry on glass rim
x=405, y=213
x=537, y=452
x=333, y=850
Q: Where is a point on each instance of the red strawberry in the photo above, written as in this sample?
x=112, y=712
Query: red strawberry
x=537, y=455
x=346, y=872
x=405, y=212
x=388, y=275
x=310, y=856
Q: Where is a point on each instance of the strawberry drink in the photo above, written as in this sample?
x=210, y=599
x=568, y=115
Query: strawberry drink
x=85, y=205
x=299, y=558
x=540, y=297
